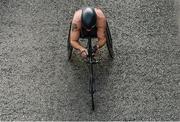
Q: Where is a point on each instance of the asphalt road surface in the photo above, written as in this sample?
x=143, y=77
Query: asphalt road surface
x=141, y=83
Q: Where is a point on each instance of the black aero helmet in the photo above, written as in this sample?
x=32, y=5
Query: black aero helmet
x=88, y=18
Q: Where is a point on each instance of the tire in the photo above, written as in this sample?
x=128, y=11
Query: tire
x=92, y=87
x=92, y=97
x=92, y=90
x=109, y=42
x=69, y=47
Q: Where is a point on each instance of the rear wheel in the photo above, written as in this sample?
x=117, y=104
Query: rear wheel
x=109, y=42
x=69, y=47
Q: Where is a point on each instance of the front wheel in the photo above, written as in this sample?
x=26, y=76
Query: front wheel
x=92, y=90
x=92, y=97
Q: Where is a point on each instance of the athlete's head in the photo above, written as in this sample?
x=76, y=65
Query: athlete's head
x=88, y=18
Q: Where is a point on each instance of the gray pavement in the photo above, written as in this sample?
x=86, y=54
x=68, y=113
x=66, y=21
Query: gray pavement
x=141, y=83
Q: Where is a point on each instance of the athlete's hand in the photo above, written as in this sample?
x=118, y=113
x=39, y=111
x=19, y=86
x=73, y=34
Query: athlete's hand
x=95, y=50
x=83, y=52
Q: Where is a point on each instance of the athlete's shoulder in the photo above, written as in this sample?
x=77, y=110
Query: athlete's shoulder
x=78, y=13
x=77, y=16
x=99, y=13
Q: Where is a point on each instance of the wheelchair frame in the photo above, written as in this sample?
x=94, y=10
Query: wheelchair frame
x=91, y=59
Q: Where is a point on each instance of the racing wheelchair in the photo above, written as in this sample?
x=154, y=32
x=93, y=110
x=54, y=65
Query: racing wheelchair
x=90, y=56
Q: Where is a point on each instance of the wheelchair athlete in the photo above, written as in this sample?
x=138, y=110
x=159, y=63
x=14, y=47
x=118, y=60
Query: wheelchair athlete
x=88, y=22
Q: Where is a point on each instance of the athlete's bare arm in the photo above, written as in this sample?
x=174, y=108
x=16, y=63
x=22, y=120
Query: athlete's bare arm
x=75, y=31
x=101, y=28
